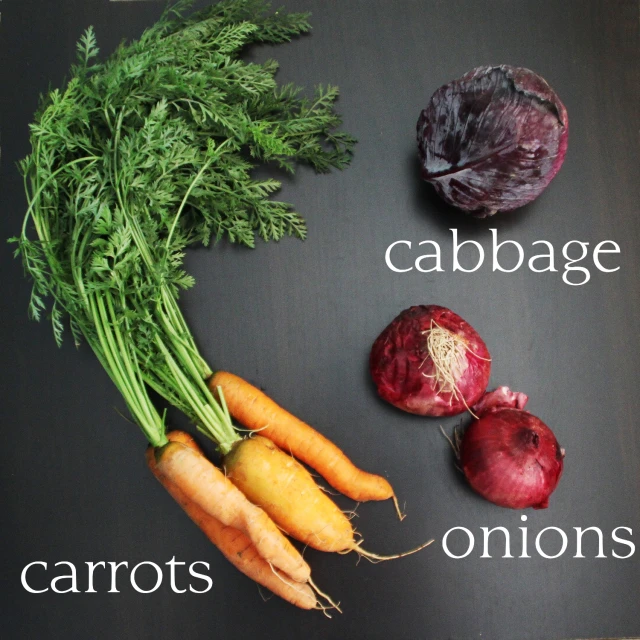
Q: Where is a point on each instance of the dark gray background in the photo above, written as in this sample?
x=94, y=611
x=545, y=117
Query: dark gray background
x=299, y=318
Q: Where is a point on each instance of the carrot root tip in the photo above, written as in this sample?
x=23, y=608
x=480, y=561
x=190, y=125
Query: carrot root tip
x=374, y=558
x=401, y=514
x=264, y=598
x=324, y=608
x=293, y=584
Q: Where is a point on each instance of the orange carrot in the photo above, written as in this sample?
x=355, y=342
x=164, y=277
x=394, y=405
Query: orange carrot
x=257, y=411
x=234, y=545
x=207, y=487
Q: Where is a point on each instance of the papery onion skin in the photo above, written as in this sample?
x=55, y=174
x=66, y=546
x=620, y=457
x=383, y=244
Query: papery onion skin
x=500, y=398
x=493, y=139
x=511, y=458
x=401, y=367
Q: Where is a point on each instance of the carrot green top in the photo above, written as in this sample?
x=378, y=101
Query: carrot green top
x=145, y=153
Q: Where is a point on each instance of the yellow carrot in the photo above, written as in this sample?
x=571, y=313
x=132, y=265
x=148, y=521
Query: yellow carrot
x=280, y=485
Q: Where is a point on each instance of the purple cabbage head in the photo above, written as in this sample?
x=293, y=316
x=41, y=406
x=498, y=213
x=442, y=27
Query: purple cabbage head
x=493, y=139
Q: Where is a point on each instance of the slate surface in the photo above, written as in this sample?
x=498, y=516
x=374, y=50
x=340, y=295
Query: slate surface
x=298, y=319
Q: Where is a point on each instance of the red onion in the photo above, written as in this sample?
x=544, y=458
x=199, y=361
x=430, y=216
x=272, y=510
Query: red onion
x=509, y=456
x=429, y=361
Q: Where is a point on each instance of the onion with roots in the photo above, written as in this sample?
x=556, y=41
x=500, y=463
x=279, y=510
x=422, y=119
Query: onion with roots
x=430, y=362
x=509, y=456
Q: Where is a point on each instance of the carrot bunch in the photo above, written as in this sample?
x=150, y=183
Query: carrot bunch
x=258, y=473
x=137, y=157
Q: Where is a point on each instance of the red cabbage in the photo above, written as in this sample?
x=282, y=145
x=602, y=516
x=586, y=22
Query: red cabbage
x=493, y=139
